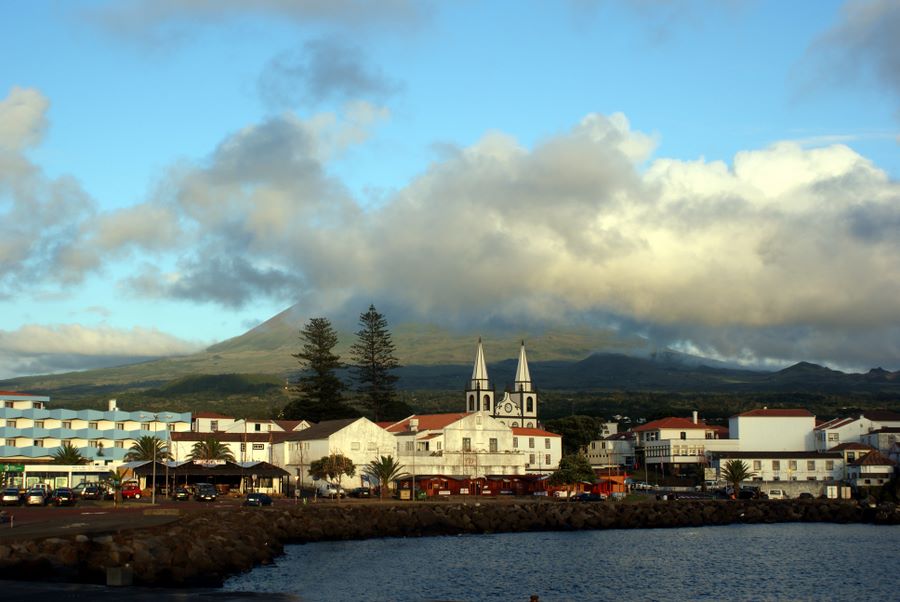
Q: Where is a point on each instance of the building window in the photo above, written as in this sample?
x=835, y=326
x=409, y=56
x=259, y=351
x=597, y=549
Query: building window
x=757, y=465
x=38, y=424
x=531, y=458
x=776, y=464
x=170, y=426
x=11, y=442
x=145, y=426
x=257, y=427
x=67, y=424
x=492, y=445
x=547, y=459
x=478, y=420
x=243, y=447
x=354, y=445
x=93, y=425
x=471, y=403
x=792, y=465
x=810, y=465
x=11, y=424
x=531, y=442
x=39, y=443
x=8, y=404
x=487, y=403
x=515, y=423
x=36, y=405
x=438, y=444
x=258, y=447
x=120, y=444
x=529, y=404
x=829, y=464
x=682, y=435
x=213, y=425
x=370, y=446
x=515, y=442
x=467, y=444
x=409, y=446
x=834, y=437
x=851, y=456
x=120, y=426
x=93, y=443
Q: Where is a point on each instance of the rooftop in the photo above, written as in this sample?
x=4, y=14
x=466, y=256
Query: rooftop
x=778, y=413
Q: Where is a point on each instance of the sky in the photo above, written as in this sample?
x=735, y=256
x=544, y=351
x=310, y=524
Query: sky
x=717, y=177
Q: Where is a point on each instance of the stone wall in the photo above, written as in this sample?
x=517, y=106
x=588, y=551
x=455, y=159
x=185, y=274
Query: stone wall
x=203, y=549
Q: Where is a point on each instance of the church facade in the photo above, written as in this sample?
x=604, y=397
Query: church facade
x=517, y=408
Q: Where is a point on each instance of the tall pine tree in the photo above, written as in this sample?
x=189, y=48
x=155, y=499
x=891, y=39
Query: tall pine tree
x=318, y=390
x=373, y=365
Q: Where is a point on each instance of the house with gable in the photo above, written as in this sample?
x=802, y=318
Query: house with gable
x=872, y=470
x=673, y=443
x=852, y=429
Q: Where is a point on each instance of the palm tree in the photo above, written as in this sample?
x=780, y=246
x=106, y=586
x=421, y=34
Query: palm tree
x=68, y=454
x=734, y=472
x=384, y=471
x=211, y=449
x=147, y=448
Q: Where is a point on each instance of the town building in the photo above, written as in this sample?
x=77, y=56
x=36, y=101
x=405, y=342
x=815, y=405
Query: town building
x=674, y=443
x=852, y=429
x=872, y=470
x=517, y=408
x=774, y=430
x=613, y=450
x=31, y=433
x=794, y=471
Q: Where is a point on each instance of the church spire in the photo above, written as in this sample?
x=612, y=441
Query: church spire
x=479, y=372
x=523, y=377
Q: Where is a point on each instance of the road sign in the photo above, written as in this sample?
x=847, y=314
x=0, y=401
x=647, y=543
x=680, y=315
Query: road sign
x=12, y=468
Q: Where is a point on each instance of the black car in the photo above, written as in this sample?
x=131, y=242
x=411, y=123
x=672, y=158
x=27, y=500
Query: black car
x=205, y=492
x=11, y=496
x=92, y=492
x=805, y=495
x=257, y=499
x=182, y=494
x=589, y=497
x=63, y=497
x=361, y=492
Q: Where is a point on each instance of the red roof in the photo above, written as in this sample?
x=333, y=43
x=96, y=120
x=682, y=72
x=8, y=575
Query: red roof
x=779, y=413
x=427, y=422
x=852, y=445
x=523, y=431
x=212, y=415
x=671, y=422
x=17, y=394
x=873, y=459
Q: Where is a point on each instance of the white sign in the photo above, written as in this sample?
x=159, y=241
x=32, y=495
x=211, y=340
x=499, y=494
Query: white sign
x=210, y=463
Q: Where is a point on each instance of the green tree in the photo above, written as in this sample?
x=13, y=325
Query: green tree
x=373, y=366
x=211, y=448
x=114, y=481
x=68, y=454
x=332, y=468
x=318, y=390
x=577, y=431
x=735, y=472
x=147, y=448
x=385, y=471
x=573, y=468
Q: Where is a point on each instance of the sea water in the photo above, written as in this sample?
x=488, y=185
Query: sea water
x=788, y=561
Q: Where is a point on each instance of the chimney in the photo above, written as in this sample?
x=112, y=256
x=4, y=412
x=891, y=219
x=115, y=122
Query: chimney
x=695, y=416
x=414, y=424
x=112, y=405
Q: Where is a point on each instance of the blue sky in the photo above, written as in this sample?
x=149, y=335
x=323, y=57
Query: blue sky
x=719, y=177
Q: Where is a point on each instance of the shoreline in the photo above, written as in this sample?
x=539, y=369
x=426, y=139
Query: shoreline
x=202, y=549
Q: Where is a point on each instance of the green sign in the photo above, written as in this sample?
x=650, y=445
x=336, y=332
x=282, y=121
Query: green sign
x=12, y=468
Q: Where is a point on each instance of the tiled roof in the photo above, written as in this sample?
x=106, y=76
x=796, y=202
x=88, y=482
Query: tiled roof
x=324, y=429
x=288, y=425
x=778, y=413
x=834, y=423
x=882, y=415
x=427, y=422
x=776, y=455
x=671, y=422
x=873, y=458
x=852, y=445
x=212, y=415
x=887, y=429
x=520, y=431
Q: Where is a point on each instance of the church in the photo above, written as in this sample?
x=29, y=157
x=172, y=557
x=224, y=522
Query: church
x=517, y=408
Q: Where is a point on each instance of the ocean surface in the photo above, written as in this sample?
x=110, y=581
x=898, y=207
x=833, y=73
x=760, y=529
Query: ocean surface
x=792, y=561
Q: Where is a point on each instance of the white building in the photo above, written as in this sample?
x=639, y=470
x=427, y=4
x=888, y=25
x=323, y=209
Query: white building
x=22, y=401
x=774, y=430
x=882, y=439
x=852, y=429
x=793, y=471
x=517, y=408
x=614, y=450
x=676, y=442
x=872, y=470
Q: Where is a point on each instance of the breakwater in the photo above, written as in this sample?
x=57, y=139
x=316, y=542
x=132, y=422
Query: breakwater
x=204, y=548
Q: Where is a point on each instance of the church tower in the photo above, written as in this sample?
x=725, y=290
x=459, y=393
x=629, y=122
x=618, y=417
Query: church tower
x=519, y=407
x=479, y=394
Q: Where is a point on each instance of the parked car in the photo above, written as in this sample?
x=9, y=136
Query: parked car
x=78, y=489
x=11, y=496
x=182, y=494
x=131, y=492
x=257, y=499
x=205, y=492
x=35, y=497
x=777, y=494
x=63, y=497
x=330, y=491
x=361, y=492
x=805, y=495
x=92, y=492
x=589, y=497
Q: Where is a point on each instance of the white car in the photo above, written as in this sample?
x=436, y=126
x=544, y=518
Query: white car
x=330, y=491
x=777, y=494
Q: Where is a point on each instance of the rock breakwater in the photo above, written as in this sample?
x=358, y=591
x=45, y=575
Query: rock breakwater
x=204, y=548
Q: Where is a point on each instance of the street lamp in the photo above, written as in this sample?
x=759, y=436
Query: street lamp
x=153, y=487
